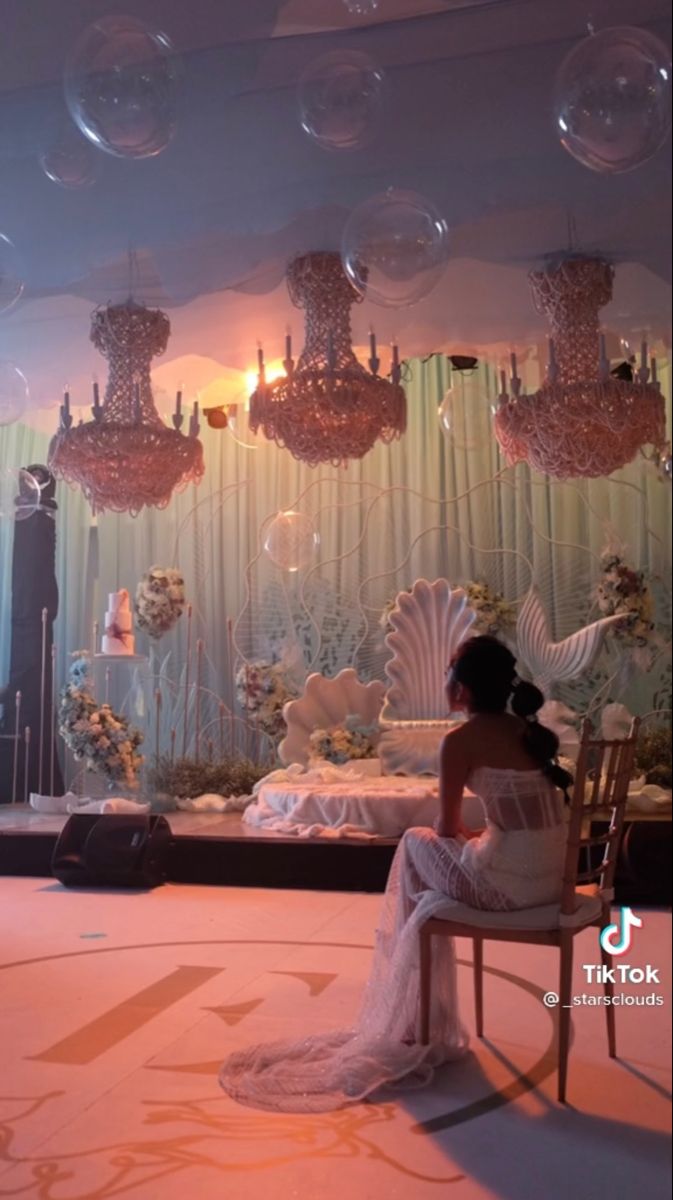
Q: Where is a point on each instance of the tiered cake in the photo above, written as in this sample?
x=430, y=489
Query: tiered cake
x=118, y=637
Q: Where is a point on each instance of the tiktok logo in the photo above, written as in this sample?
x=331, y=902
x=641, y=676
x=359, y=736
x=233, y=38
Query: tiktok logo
x=616, y=939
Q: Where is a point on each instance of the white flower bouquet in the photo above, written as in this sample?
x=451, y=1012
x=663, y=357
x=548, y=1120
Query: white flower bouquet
x=623, y=591
x=262, y=690
x=160, y=601
x=345, y=743
x=104, y=741
x=495, y=615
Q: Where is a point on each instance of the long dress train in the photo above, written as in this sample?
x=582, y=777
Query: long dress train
x=516, y=863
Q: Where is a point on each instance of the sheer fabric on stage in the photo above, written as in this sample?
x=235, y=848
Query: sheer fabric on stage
x=512, y=865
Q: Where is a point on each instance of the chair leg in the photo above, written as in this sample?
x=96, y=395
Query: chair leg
x=565, y=999
x=425, y=984
x=610, y=1015
x=478, y=956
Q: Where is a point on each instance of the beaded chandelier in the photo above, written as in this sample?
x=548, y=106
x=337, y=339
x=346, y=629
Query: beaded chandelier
x=126, y=458
x=327, y=408
x=583, y=422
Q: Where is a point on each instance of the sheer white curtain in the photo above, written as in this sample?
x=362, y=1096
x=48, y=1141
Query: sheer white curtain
x=427, y=505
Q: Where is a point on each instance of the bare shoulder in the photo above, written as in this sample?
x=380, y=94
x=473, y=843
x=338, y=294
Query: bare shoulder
x=457, y=741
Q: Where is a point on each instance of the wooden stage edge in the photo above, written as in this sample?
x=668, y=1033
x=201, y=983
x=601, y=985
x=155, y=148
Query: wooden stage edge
x=224, y=853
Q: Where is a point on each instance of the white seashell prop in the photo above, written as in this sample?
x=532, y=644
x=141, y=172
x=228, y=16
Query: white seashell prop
x=551, y=662
x=428, y=625
x=325, y=704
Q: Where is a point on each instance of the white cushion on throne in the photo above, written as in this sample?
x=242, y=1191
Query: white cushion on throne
x=412, y=748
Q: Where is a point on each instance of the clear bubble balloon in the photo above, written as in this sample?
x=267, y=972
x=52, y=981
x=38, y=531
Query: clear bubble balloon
x=465, y=417
x=19, y=494
x=291, y=541
x=341, y=99
x=13, y=393
x=121, y=87
x=395, y=248
x=11, y=276
x=68, y=158
x=612, y=102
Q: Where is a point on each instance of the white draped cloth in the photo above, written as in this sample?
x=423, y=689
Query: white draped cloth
x=339, y=802
x=516, y=863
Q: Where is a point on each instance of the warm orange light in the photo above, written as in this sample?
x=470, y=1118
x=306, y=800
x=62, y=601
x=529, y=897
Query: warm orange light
x=274, y=370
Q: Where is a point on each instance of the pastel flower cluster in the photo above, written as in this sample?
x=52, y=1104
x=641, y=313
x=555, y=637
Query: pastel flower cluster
x=262, y=690
x=494, y=614
x=345, y=743
x=104, y=741
x=622, y=591
x=160, y=600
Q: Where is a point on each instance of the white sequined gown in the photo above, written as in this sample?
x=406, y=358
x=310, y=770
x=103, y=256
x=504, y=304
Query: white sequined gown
x=516, y=863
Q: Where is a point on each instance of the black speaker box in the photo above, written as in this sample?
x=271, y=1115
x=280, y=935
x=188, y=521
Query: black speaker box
x=117, y=850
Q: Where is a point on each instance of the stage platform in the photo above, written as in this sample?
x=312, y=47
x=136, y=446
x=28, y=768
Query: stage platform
x=212, y=848
x=215, y=848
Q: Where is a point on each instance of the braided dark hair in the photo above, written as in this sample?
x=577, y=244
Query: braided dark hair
x=488, y=669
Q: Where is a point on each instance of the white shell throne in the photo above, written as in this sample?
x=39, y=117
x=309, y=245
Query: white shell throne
x=428, y=625
x=325, y=704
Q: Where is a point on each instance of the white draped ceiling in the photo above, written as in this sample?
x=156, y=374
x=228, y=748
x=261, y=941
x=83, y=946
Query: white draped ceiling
x=214, y=218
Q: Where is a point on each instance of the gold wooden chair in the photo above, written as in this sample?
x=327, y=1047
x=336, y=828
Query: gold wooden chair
x=602, y=779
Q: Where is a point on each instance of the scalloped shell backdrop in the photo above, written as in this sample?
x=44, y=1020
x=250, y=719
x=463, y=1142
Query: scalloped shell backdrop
x=325, y=704
x=428, y=625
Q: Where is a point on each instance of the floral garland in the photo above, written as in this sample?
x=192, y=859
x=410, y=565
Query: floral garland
x=494, y=614
x=97, y=736
x=262, y=690
x=160, y=601
x=623, y=591
x=345, y=743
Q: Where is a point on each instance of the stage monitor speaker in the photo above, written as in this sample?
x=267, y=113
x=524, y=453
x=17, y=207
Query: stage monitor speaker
x=120, y=850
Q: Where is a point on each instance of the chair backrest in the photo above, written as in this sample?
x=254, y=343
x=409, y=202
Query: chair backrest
x=602, y=780
x=428, y=624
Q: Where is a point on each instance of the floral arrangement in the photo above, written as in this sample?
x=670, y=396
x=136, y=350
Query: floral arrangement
x=97, y=736
x=160, y=600
x=494, y=614
x=345, y=743
x=623, y=591
x=654, y=757
x=185, y=779
x=262, y=690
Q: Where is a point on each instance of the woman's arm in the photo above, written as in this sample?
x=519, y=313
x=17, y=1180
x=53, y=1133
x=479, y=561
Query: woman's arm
x=454, y=768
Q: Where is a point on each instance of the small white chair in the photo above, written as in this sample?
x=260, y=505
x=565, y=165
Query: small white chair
x=604, y=771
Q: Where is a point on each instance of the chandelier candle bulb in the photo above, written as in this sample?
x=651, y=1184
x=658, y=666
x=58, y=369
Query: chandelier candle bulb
x=516, y=381
x=194, y=426
x=374, y=360
x=654, y=378
x=96, y=410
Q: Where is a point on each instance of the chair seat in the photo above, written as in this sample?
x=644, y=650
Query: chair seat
x=545, y=917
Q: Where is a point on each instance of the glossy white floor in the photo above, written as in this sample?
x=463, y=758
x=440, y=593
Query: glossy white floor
x=115, y=1010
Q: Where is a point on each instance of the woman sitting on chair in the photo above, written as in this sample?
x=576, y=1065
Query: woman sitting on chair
x=509, y=760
